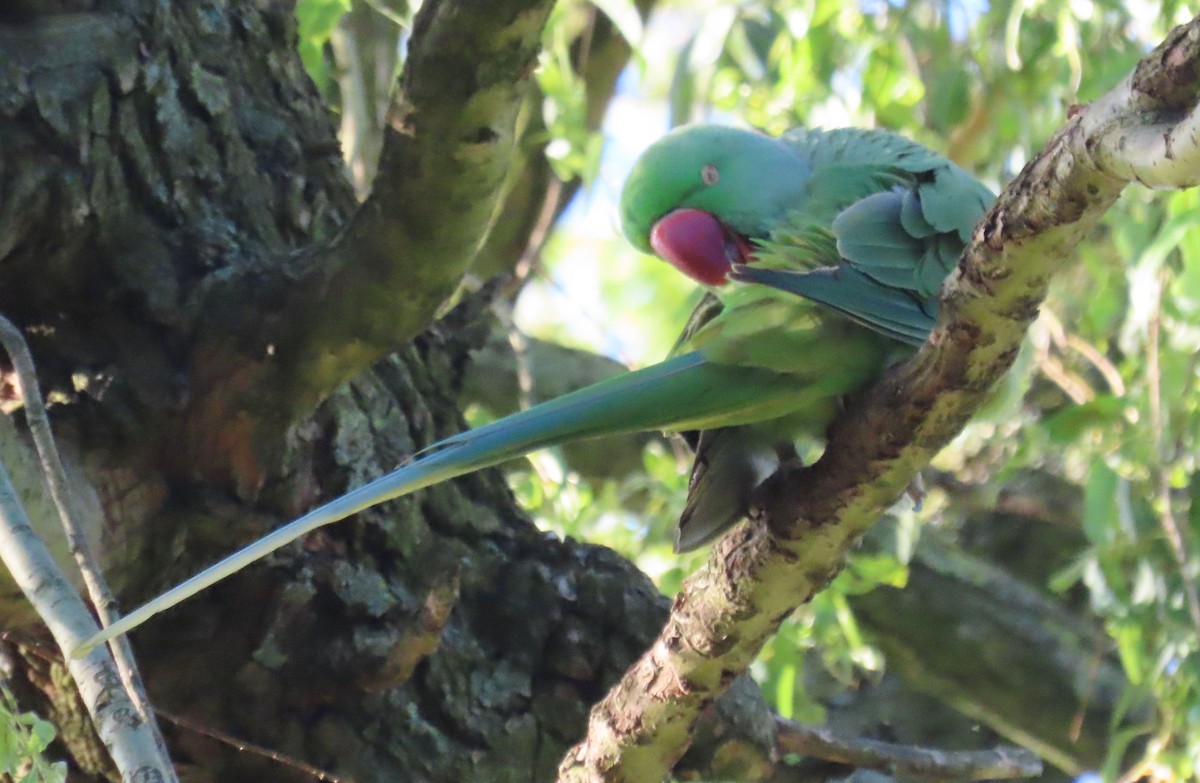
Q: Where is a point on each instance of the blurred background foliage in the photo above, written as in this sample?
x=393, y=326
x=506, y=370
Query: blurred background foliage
x=1104, y=401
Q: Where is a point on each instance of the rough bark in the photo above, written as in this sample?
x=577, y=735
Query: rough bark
x=168, y=174
x=146, y=155
x=453, y=128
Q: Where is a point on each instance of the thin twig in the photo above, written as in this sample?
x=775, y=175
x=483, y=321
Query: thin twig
x=1051, y=334
x=1166, y=516
x=1076, y=730
x=249, y=747
x=69, y=513
x=1064, y=340
x=134, y=747
x=908, y=761
x=1112, y=376
x=531, y=256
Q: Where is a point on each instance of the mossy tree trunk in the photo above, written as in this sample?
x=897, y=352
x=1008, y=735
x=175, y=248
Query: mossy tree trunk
x=180, y=242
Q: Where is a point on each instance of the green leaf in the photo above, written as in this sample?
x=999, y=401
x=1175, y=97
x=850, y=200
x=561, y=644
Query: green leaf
x=950, y=99
x=1128, y=637
x=785, y=691
x=1066, y=426
x=41, y=735
x=1194, y=508
x=315, y=22
x=682, y=94
x=1100, y=516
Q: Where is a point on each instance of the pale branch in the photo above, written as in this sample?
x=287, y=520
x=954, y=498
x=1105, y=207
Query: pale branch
x=910, y=761
x=1147, y=129
x=806, y=520
x=72, y=517
x=129, y=738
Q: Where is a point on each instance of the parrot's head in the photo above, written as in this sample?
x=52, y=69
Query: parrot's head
x=700, y=196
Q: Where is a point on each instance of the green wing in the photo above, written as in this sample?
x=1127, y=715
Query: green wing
x=749, y=329
x=884, y=222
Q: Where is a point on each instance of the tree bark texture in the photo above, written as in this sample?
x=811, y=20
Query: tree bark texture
x=175, y=227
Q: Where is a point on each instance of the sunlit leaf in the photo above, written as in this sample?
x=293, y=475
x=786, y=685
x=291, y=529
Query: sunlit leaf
x=1069, y=424
x=316, y=20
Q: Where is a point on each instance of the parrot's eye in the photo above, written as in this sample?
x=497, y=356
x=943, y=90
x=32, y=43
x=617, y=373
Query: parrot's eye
x=709, y=174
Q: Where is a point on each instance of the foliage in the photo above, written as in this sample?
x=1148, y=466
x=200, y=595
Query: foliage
x=572, y=148
x=1132, y=445
x=24, y=738
x=316, y=21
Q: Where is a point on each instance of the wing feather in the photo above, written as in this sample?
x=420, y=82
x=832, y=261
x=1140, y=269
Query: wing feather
x=885, y=220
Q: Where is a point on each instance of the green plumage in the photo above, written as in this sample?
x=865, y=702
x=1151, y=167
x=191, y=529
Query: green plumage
x=866, y=223
x=851, y=223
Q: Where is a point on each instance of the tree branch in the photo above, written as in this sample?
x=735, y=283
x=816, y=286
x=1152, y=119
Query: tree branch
x=72, y=519
x=1045, y=681
x=329, y=313
x=910, y=761
x=127, y=736
x=807, y=519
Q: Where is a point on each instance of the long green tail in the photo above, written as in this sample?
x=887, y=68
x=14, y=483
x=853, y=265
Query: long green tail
x=684, y=392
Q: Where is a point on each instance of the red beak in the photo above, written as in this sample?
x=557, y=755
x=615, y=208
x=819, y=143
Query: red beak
x=695, y=243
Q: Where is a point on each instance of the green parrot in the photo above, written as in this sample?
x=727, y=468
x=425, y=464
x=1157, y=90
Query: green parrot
x=864, y=222
x=824, y=252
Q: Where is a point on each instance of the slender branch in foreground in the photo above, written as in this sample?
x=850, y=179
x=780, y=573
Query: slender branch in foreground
x=299, y=766
x=72, y=518
x=910, y=761
x=806, y=520
x=130, y=740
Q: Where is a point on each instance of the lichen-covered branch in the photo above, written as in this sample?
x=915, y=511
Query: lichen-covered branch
x=807, y=519
x=447, y=154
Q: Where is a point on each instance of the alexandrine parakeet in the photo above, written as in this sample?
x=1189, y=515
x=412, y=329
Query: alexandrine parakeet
x=824, y=253
x=866, y=223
